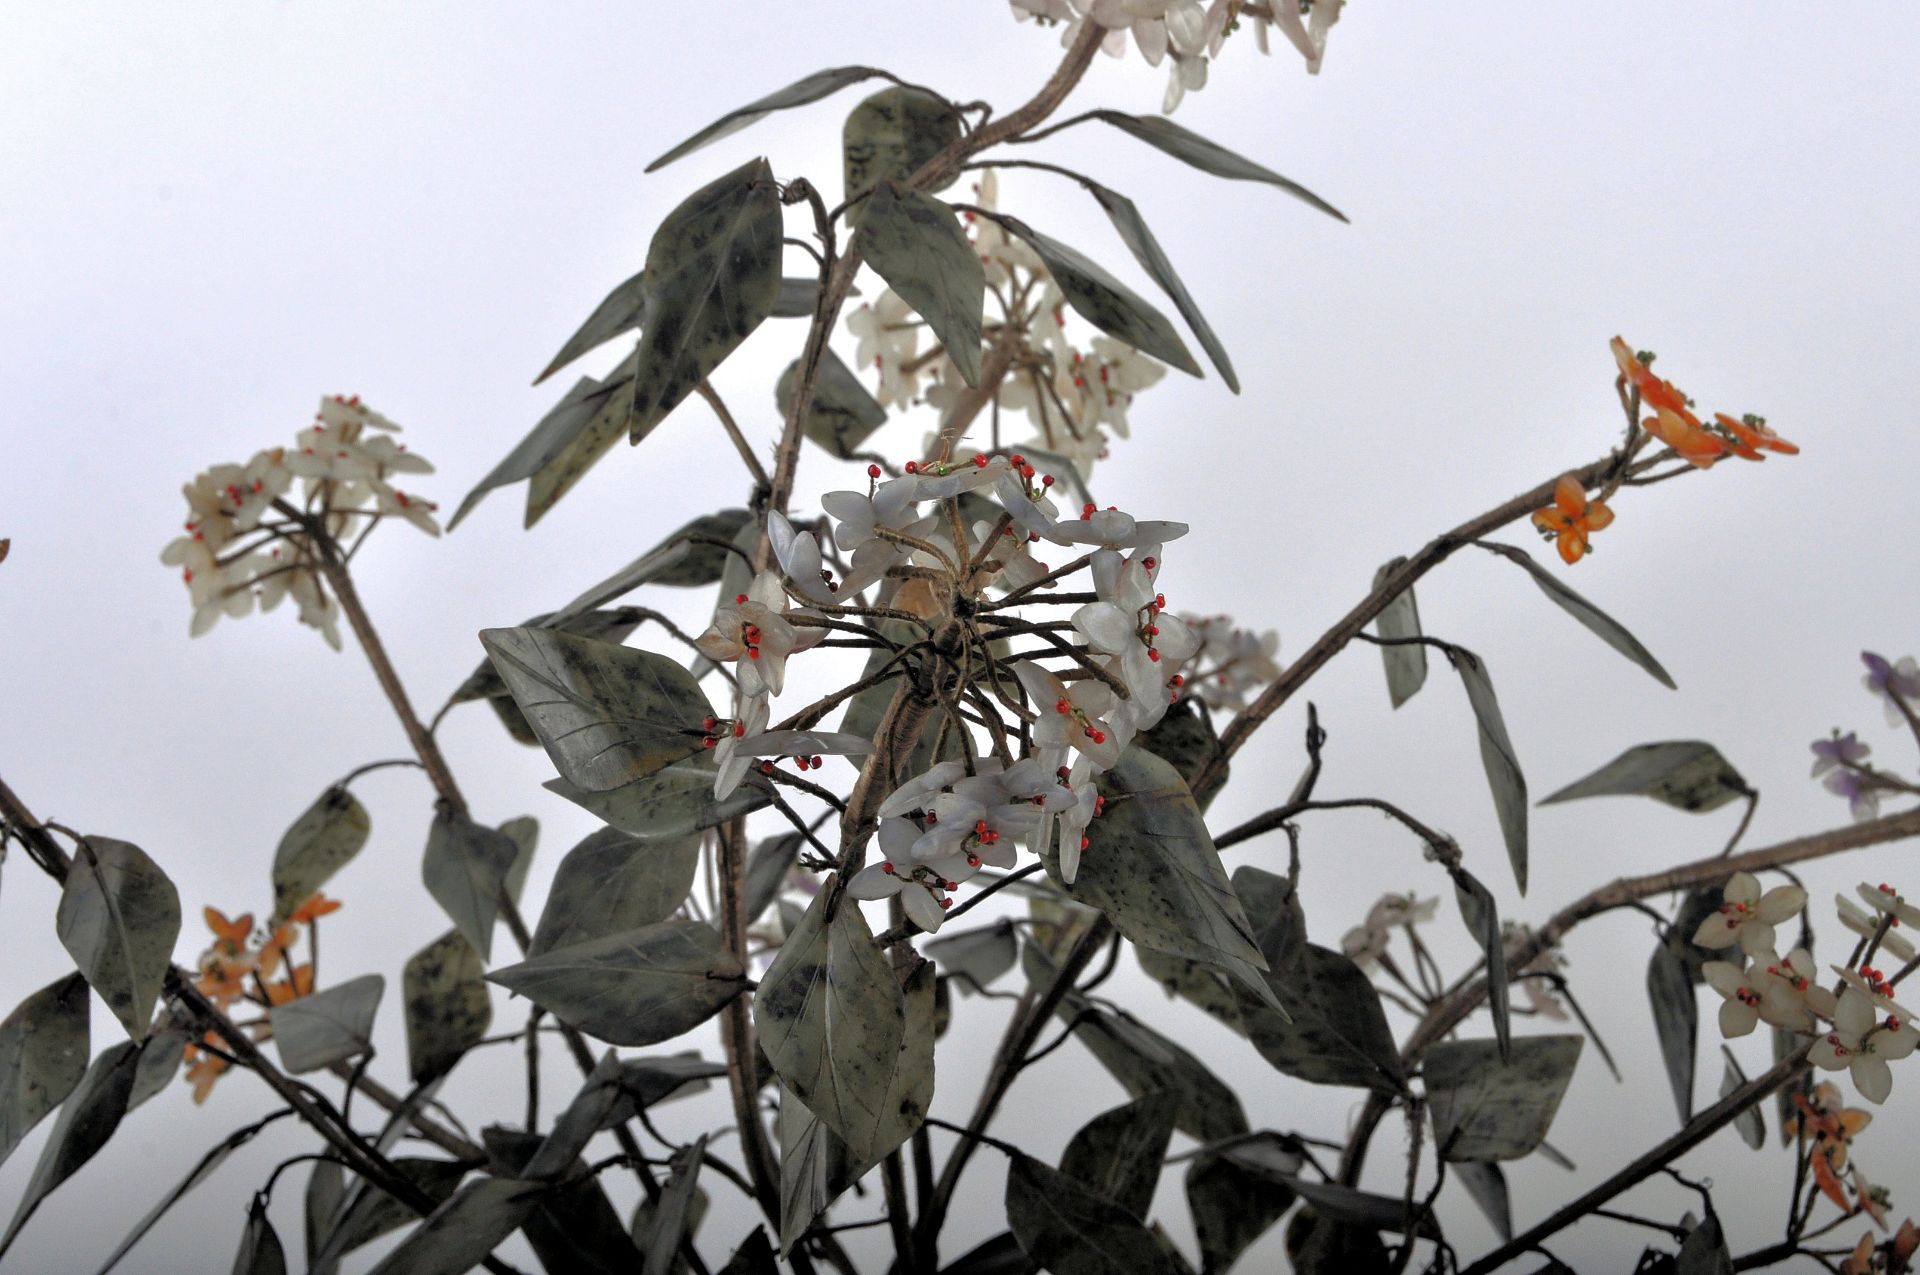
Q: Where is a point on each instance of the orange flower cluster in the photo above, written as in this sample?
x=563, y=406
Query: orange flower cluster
x=1571, y=519
x=1831, y=1127
x=1674, y=423
x=232, y=969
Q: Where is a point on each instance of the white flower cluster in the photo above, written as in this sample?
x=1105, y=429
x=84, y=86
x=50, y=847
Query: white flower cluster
x=1187, y=33
x=346, y=458
x=1868, y=1028
x=1232, y=663
x=1074, y=398
x=1121, y=655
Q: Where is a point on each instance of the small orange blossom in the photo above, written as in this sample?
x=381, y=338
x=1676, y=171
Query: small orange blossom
x=1572, y=519
x=1683, y=432
x=1751, y=436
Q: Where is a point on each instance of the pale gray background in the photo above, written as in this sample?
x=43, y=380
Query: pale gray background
x=215, y=213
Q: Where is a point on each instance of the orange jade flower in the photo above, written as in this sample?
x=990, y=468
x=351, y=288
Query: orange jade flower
x=1683, y=432
x=202, y=1072
x=1906, y=1240
x=318, y=906
x=229, y=936
x=1654, y=392
x=1571, y=519
x=1751, y=436
x=1860, y=1262
x=298, y=983
x=275, y=950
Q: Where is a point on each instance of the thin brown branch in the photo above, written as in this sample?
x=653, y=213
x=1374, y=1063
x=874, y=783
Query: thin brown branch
x=1698, y=1130
x=1335, y=639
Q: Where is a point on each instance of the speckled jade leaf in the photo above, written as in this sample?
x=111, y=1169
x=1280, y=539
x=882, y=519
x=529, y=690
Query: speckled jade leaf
x=767, y=868
x=566, y=443
x=1185, y=738
x=87, y=1120
x=1069, y=1229
x=677, y=560
x=1338, y=1032
x=1104, y=301
x=1689, y=774
x=329, y=1026
x=977, y=956
x=614, y=881
x=704, y=560
x=1208, y=156
x=1497, y=756
x=671, y=803
x=809, y=88
x=462, y=1232
x=842, y=413
x=1597, y=622
x=832, y=1019
x=1704, y=1251
x=1145, y=1062
x=1118, y=1153
x=1486, y=1185
x=584, y=1116
x=1750, y=1124
x=1676, y=1018
x=607, y=714
x=1487, y=1109
x=814, y=1168
x=374, y=1213
x=620, y=311
x=610, y=625
x=321, y=841
x=118, y=918
x=448, y=1008
x=891, y=134
x=465, y=868
x=43, y=1055
x=1232, y=1206
x=918, y=246
x=260, y=1250
x=1482, y=918
x=1152, y=868
x=1146, y=250
x=573, y=1226
x=1206, y=986
x=1334, y=1031
x=638, y=987
x=674, y=1214
x=713, y=272
x=909, y=1091
x=1405, y=660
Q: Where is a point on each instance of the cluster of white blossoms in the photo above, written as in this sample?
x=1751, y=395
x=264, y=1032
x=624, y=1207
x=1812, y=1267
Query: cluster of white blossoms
x=1108, y=672
x=244, y=547
x=1074, y=398
x=1867, y=1028
x=1232, y=663
x=1186, y=34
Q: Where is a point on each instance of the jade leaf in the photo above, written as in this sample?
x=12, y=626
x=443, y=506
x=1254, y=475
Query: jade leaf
x=712, y=274
x=606, y=714
x=807, y=89
x=321, y=841
x=613, y=881
x=1688, y=774
x=918, y=246
x=118, y=918
x=638, y=987
x=832, y=1019
x=448, y=1008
